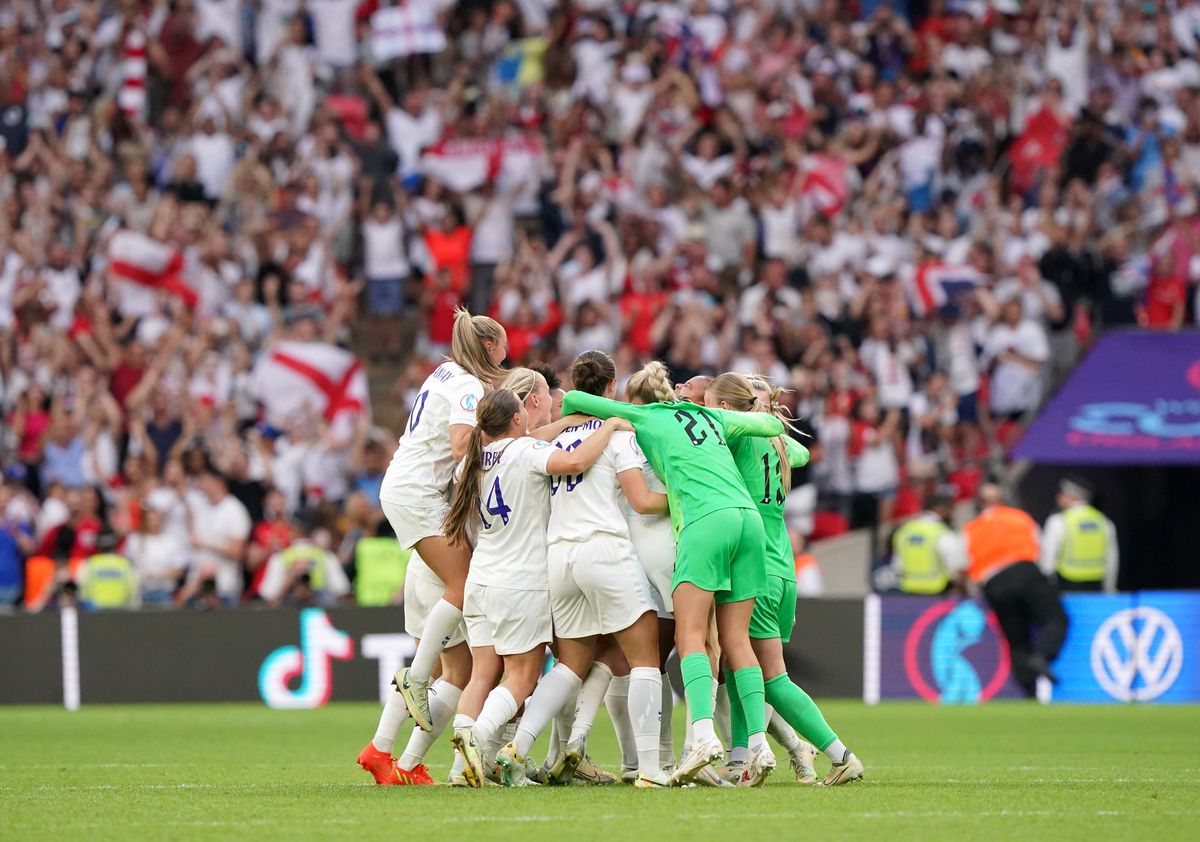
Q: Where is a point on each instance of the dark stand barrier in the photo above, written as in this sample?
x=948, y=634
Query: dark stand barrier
x=292, y=658
x=30, y=660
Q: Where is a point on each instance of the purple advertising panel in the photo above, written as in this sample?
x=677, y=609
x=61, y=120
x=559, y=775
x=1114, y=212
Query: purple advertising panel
x=945, y=651
x=1134, y=400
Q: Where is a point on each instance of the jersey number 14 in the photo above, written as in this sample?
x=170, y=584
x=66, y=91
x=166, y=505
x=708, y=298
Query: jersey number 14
x=495, y=506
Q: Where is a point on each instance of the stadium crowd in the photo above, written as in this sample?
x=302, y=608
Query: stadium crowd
x=912, y=215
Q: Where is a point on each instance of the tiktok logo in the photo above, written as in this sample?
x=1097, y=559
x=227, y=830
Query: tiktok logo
x=319, y=643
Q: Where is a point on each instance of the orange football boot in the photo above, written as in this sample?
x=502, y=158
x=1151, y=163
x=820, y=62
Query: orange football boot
x=378, y=763
x=416, y=776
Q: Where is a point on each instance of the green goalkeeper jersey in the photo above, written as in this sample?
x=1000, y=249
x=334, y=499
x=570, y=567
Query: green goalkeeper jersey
x=762, y=472
x=686, y=446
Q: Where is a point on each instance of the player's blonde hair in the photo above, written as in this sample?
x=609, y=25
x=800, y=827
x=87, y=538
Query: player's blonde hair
x=523, y=382
x=468, y=348
x=493, y=417
x=650, y=385
x=738, y=391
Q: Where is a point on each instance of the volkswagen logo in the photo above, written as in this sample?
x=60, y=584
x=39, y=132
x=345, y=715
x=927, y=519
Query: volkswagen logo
x=1137, y=654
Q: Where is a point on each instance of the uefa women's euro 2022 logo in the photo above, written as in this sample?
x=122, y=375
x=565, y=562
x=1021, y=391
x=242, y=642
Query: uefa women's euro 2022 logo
x=953, y=652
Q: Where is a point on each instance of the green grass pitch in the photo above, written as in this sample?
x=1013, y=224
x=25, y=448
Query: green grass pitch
x=1001, y=771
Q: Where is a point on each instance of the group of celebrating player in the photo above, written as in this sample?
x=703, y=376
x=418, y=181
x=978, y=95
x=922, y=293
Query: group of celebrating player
x=612, y=534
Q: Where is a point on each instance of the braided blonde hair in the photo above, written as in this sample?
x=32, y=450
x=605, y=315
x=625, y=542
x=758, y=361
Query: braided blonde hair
x=650, y=385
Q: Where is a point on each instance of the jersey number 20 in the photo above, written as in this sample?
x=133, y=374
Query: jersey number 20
x=572, y=480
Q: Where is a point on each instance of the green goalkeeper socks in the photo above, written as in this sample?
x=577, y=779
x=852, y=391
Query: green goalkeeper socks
x=749, y=684
x=737, y=716
x=697, y=685
x=798, y=710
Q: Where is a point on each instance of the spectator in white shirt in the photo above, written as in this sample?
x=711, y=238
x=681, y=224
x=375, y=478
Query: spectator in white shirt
x=334, y=31
x=159, y=556
x=1015, y=352
x=214, y=153
x=771, y=297
x=889, y=358
x=220, y=528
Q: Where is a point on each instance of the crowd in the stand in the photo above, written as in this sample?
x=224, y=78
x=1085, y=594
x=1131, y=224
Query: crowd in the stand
x=914, y=216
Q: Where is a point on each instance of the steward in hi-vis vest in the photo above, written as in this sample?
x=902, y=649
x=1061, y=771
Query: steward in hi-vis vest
x=1079, y=544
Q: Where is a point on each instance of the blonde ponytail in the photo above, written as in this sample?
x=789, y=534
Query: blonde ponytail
x=493, y=416
x=467, y=346
x=650, y=385
x=739, y=391
x=523, y=382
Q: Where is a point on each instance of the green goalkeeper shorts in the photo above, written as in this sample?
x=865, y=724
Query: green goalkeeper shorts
x=775, y=610
x=722, y=552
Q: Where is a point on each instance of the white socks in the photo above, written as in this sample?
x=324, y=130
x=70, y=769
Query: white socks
x=499, y=707
x=617, y=702
x=758, y=742
x=560, y=729
x=393, y=716
x=702, y=731
x=721, y=712
x=591, y=695
x=739, y=754
x=440, y=626
x=783, y=733
x=645, y=710
x=837, y=751
x=498, y=741
x=443, y=702
x=666, y=738
x=552, y=691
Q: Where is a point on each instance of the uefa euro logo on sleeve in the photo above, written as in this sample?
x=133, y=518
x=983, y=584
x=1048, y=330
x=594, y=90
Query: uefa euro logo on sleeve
x=1137, y=654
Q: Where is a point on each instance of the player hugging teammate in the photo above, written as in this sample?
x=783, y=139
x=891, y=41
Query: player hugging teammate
x=555, y=533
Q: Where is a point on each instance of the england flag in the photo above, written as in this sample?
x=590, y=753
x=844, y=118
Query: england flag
x=141, y=268
x=311, y=377
x=937, y=285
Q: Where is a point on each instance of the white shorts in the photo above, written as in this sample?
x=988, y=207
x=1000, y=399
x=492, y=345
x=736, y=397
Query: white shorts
x=411, y=523
x=422, y=590
x=655, y=546
x=510, y=621
x=596, y=587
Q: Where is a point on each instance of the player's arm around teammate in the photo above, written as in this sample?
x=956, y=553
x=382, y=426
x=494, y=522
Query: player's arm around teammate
x=719, y=544
x=765, y=469
x=506, y=600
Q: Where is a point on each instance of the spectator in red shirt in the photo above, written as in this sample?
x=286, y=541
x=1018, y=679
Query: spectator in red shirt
x=450, y=247
x=1166, y=296
x=438, y=305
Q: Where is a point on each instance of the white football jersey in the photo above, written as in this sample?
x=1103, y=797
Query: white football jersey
x=423, y=465
x=585, y=505
x=514, y=504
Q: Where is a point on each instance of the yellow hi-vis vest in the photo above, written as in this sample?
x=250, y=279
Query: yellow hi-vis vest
x=108, y=581
x=380, y=566
x=312, y=554
x=921, y=571
x=1083, y=555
